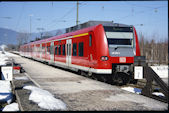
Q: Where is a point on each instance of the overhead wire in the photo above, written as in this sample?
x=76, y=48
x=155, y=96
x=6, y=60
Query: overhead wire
x=140, y=12
x=55, y=21
x=131, y=4
x=20, y=16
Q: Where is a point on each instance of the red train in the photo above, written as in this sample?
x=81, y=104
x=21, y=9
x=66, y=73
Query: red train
x=93, y=47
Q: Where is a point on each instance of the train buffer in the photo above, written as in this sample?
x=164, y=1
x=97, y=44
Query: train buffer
x=150, y=76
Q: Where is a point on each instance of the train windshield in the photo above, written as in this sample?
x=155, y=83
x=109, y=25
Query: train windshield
x=119, y=36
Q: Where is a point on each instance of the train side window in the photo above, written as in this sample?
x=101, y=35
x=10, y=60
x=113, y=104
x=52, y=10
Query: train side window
x=81, y=49
x=48, y=49
x=56, y=50
x=74, y=49
x=43, y=50
x=59, y=49
x=90, y=40
x=67, y=49
x=63, y=49
x=70, y=53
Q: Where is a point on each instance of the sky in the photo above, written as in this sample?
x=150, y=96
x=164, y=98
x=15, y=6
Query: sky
x=148, y=17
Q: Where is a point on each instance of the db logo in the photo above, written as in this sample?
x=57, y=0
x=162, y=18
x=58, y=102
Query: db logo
x=122, y=59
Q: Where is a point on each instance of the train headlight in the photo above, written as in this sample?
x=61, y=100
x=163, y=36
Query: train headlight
x=104, y=58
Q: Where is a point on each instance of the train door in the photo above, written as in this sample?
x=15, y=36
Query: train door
x=43, y=52
x=52, y=52
x=40, y=51
x=33, y=51
x=48, y=50
x=90, y=50
x=68, y=52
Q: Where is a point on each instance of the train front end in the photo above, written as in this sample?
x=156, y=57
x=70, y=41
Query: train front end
x=123, y=46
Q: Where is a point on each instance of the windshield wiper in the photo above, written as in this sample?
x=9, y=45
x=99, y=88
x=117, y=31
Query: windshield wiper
x=115, y=47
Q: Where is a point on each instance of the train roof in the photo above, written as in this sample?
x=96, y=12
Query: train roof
x=63, y=35
x=81, y=28
x=93, y=23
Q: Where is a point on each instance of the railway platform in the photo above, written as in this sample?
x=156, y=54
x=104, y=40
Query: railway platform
x=81, y=93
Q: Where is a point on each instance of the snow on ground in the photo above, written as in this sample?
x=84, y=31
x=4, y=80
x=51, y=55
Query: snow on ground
x=10, y=54
x=21, y=78
x=5, y=91
x=2, y=47
x=3, y=59
x=158, y=94
x=133, y=90
x=11, y=107
x=138, y=91
x=44, y=99
x=161, y=70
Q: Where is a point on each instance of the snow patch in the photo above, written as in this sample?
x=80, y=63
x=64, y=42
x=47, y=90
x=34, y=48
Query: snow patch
x=44, y=99
x=3, y=47
x=10, y=54
x=138, y=91
x=11, y=107
x=21, y=78
x=162, y=70
x=5, y=91
x=133, y=90
x=3, y=59
x=158, y=94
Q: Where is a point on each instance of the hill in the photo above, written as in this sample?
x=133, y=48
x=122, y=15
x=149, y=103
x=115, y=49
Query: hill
x=8, y=36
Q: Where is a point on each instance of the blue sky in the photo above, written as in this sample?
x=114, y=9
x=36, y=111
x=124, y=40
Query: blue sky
x=55, y=15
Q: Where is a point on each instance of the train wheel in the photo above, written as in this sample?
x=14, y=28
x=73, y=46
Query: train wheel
x=83, y=73
x=79, y=72
x=90, y=74
x=103, y=78
x=121, y=78
x=94, y=76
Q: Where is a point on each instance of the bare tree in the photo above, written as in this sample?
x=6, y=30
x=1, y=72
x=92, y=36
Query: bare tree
x=47, y=35
x=22, y=38
x=59, y=32
x=154, y=48
x=142, y=43
x=11, y=47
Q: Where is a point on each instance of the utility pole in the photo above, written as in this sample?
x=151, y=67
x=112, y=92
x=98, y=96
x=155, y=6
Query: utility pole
x=52, y=3
x=30, y=24
x=41, y=31
x=77, y=13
